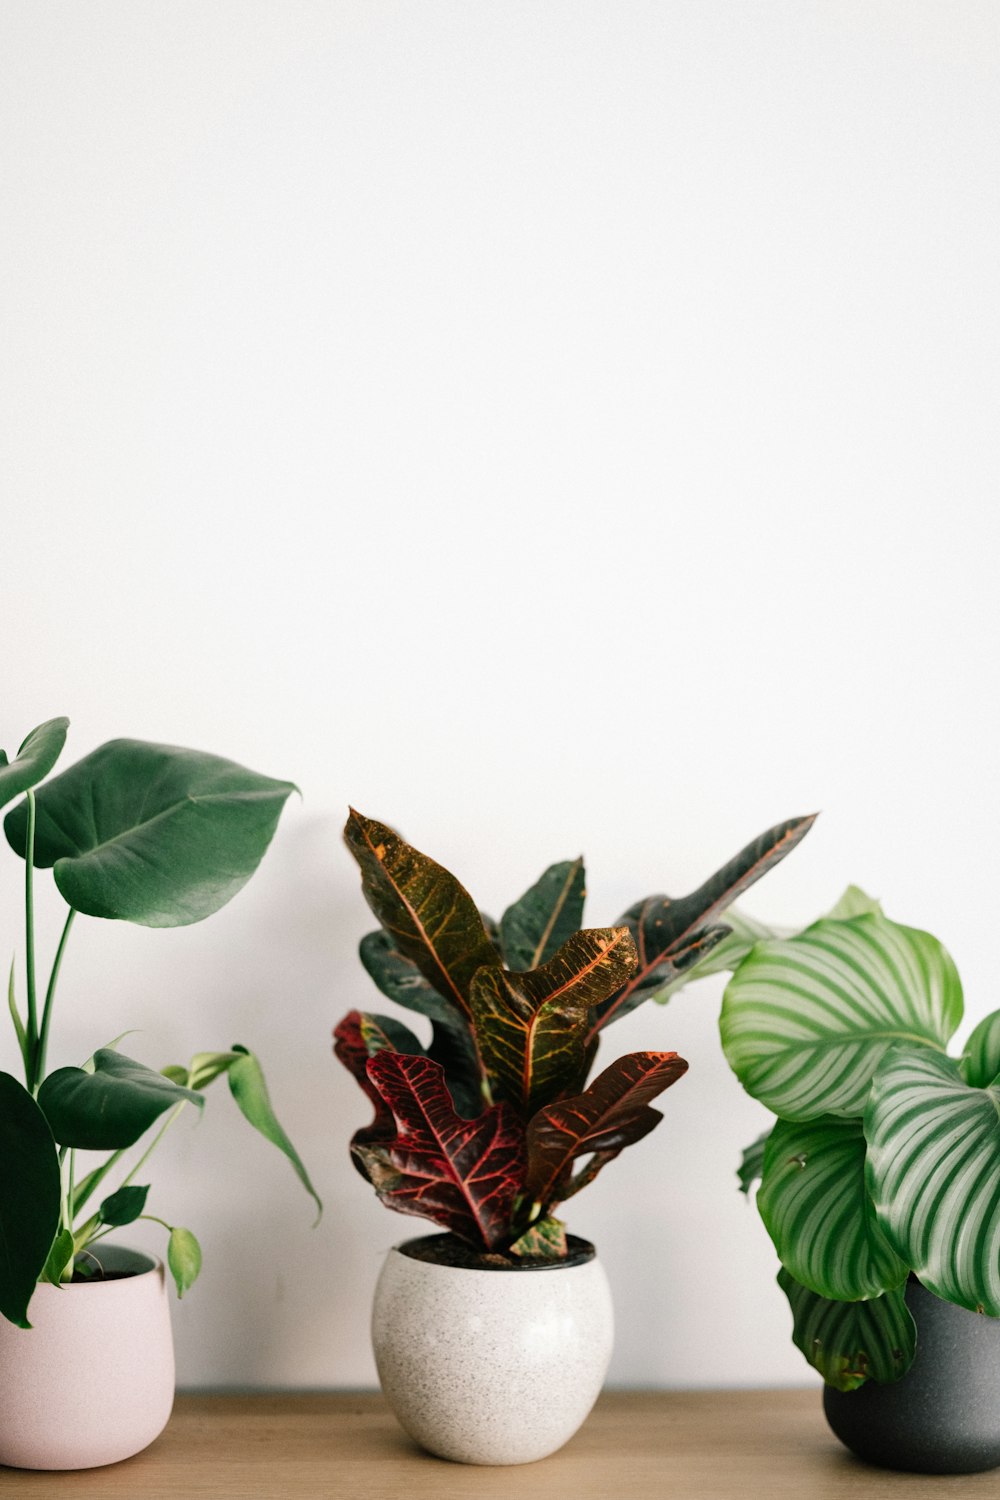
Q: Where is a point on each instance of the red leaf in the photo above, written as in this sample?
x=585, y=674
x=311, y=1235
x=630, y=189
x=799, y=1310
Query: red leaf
x=350, y=1046
x=463, y=1174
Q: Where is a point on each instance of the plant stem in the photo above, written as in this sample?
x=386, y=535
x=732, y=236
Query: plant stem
x=154, y=1142
x=43, y=1039
x=69, y=1191
x=30, y=1070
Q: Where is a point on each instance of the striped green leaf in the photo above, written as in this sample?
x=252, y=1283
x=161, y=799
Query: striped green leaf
x=806, y=1021
x=851, y=1342
x=817, y=1211
x=981, y=1059
x=934, y=1174
x=752, y=1163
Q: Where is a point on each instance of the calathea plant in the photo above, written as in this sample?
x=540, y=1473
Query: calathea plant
x=884, y=1160
x=143, y=833
x=491, y=1126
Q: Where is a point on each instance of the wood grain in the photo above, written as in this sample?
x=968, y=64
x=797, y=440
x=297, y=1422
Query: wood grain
x=668, y=1445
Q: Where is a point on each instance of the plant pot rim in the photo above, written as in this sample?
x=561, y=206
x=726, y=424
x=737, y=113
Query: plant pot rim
x=582, y=1253
x=124, y=1263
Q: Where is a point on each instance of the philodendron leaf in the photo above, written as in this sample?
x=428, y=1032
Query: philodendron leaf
x=432, y=918
x=981, y=1059
x=123, y=1206
x=851, y=1342
x=183, y=1258
x=463, y=1174
x=543, y=919
x=532, y=1027
x=33, y=762
x=545, y=1240
x=59, y=1262
x=29, y=1197
x=248, y=1088
x=610, y=1115
x=151, y=833
x=111, y=1107
x=752, y=1163
x=815, y=1207
x=934, y=1174
x=805, y=1022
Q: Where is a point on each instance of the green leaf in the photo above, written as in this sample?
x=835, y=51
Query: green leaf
x=752, y=1163
x=727, y=954
x=851, y=1342
x=206, y=1067
x=854, y=903
x=151, y=833
x=544, y=917
x=544, y=1240
x=33, y=761
x=805, y=1022
x=111, y=1107
x=123, y=1206
x=815, y=1207
x=183, y=1258
x=60, y=1259
x=30, y=1190
x=15, y=1016
x=532, y=1027
x=934, y=1174
x=981, y=1059
x=248, y=1088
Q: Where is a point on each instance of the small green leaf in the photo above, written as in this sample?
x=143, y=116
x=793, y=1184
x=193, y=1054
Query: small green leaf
x=30, y=1189
x=123, y=1206
x=248, y=1088
x=60, y=1259
x=981, y=1058
x=176, y=1074
x=183, y=1258
x=854, y=903
x=19, y=1032
x=207, y=1066
x=33, y=761
x=110, y=1108
x=851, y=1342
x=752, y=1164
x=545, y=1240
x=545, y=917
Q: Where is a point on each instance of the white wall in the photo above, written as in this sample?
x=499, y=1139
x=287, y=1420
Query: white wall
x=548, y=426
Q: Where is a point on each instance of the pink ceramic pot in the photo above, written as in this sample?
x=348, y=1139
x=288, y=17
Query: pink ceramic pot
x=92, y=1380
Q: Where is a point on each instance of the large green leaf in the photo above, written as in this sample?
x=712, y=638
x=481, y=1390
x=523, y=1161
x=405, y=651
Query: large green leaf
x=432, y=918
x=29, y=1197
x=934, y=1174
x=805, y=1022
x=249, y=1089
x=537, y=925
x=532, y=1027
x=110, y=1108
x=851, y=1342
x=981, y=1058
x=151, y=833
x=33, y=762
x=815, y=1207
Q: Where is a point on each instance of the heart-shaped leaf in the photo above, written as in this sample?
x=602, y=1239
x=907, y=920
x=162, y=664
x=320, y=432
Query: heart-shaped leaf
x=805, y=1022
x=816, y=1208
x=981, y=1059
x=123, y=1206
x=151, y=833
x=537, y=925
x=111, y=1107
x=248, y=1087
x=851, y=1342
x=934, y=1174
x=463, y=1174
x=183, y=1258
x=432, y=918
x=33, y=762
x=532, y=1027
x=610, y=1115
x=29, y=1197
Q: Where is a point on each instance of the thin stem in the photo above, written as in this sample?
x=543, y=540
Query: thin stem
x=69, y=1191
x=95, y=1178
x=31, y=1074
x=43, y=1039
x=154, y=1142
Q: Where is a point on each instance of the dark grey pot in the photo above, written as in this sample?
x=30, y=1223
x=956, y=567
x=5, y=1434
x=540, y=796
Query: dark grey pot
x=943, y=1417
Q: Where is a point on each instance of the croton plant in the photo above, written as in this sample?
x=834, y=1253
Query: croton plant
x=491, y=1126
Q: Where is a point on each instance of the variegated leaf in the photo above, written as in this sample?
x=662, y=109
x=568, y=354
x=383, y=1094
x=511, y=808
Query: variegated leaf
x=851, y=1342
x=537, y=925
x=981, y=1058
x=805, y=1022
x=815, y=1207
x=752, y=1163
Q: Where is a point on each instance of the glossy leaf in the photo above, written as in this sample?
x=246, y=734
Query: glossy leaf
x=851, y=1342
x=59, y=1262
x=183, y=1258
x=151, y=834
x=463, y=1174
x=431, y=917
x=111, y=1107
x=752, y=1163
x=33, y=762
x=351, y=1039
x=610, y=1115
x=532, y=1027
x=672, y=936
x=816, y=1208
x=545, y=1240
x=29, y=1197
x=805, y=1022
x=934, y=1174
x=981, y=1058
x=248, y=1087
x=123, y=1206
x=545, y=917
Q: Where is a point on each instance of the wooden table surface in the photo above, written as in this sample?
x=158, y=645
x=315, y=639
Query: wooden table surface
x=668, y=1445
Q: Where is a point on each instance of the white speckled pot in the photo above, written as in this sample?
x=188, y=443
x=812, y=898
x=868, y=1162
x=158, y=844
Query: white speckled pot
x=491, y=1366
x=92, y=1380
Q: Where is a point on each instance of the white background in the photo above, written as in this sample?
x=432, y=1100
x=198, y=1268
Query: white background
x=548, y=426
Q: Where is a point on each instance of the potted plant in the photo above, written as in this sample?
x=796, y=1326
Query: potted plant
x=492, y=1339
x=880, y=1179
x=162, y=837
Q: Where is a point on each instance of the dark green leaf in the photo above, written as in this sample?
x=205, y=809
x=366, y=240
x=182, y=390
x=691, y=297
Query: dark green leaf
x=183, y=1258
x=110, y=1108
x=752, y=1163
x=981, y=1059
x=544, y=918
x=124, y=1206
x=29, y=1197
x=151, y=833
x=59, y=1260
x=33, y=761
x=246, y=1082
x=851, y=1342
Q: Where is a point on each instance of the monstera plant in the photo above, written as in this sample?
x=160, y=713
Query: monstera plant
x=884, y=1159
x=143, y=833
x=492, y=1125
